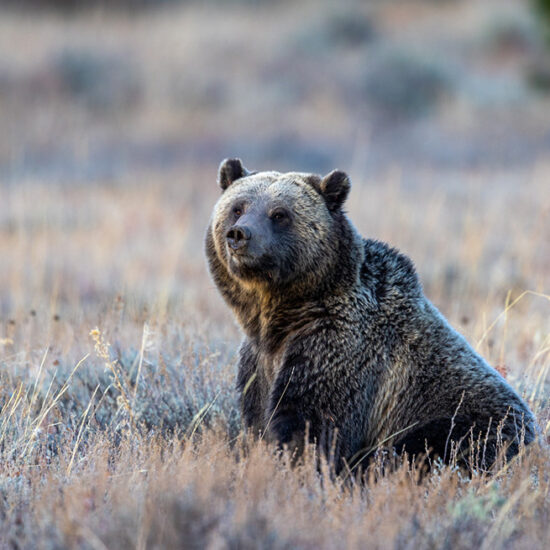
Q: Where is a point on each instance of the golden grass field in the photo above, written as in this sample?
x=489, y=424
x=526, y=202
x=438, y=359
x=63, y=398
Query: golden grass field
x=119, y=422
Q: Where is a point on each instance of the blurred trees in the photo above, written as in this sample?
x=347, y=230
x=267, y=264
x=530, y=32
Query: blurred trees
x=543, y=9
x=73, y=5
x=70, y=5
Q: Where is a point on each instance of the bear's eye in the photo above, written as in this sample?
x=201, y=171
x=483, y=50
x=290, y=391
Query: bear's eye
x=279, y=215
x=238, y=211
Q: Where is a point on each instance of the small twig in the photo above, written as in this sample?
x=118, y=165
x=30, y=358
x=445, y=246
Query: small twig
x=200, y=416
x=80, y=430
x=277, y=405
x=452, y=426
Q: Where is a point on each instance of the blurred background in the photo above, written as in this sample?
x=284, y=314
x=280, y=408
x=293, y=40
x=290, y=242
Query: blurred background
x=94, y=90
x=115, y=115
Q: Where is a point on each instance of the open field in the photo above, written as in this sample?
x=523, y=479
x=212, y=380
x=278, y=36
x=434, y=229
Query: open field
x=119, y=423
x=139, y=446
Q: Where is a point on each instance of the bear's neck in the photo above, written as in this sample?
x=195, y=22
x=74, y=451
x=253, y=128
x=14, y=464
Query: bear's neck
x=269, y=315
x=280, y=319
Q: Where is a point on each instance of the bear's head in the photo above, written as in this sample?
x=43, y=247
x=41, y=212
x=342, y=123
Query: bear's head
x=281, y=230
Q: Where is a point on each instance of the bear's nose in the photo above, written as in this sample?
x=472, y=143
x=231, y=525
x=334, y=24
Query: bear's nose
x=238, y=236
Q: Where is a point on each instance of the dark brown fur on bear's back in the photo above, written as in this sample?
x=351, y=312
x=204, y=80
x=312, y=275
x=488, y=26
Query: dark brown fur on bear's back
x=339, y=336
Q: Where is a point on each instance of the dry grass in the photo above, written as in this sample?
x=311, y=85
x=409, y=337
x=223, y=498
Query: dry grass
x=119, y=423
x=130, y=436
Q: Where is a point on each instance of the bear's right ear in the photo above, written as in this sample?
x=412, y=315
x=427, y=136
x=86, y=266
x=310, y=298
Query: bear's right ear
x=229, y=171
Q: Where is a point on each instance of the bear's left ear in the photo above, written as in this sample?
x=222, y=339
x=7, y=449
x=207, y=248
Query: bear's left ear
x=229, y=171
x=335, y=188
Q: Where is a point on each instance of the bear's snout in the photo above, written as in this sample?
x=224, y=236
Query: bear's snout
x=238, y=236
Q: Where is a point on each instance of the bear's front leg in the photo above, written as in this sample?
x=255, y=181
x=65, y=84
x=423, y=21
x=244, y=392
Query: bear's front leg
x=296, y=414
x=316, y=396
x=287, y=427
x=249, y=388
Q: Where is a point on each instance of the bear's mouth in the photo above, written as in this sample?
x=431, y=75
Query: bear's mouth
x=241, y=259
x=247, y=266
x=239, y=253
x=240, y=256
x=238, y=260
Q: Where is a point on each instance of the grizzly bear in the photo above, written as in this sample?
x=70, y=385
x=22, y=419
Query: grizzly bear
x=341, y=347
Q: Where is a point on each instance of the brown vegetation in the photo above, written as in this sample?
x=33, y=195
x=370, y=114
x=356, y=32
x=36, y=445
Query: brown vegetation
x=130, y=436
